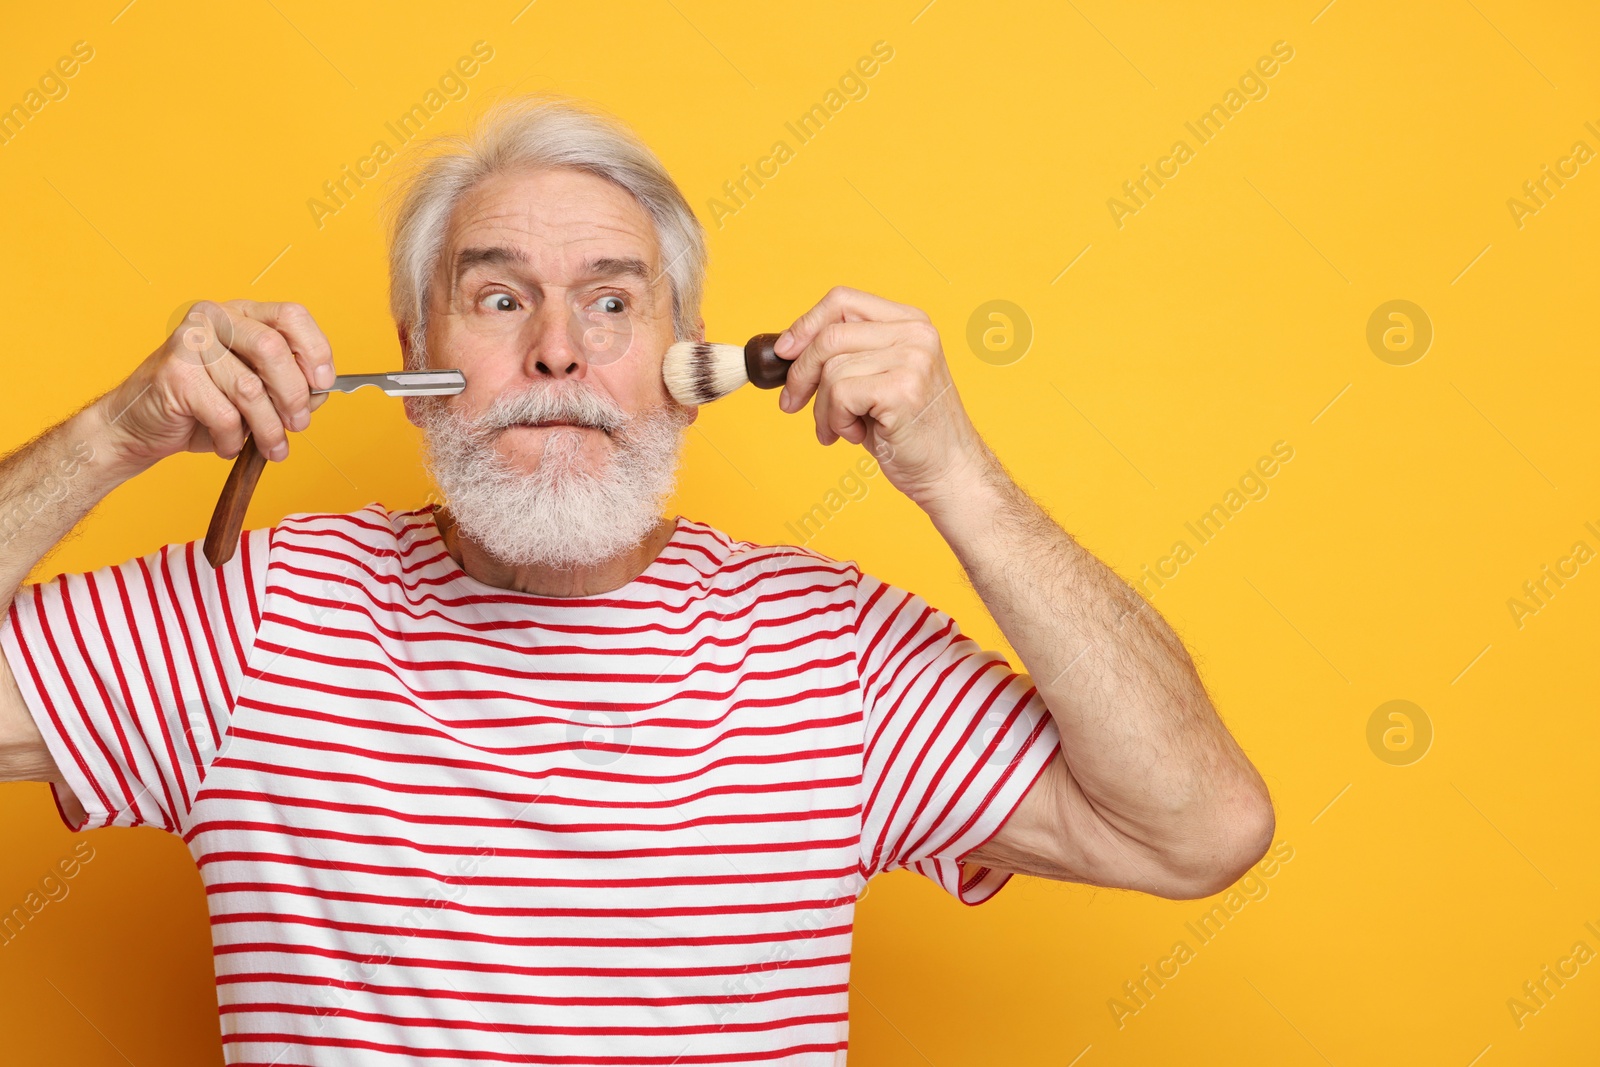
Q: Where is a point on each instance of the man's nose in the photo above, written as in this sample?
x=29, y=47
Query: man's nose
x=552, y=351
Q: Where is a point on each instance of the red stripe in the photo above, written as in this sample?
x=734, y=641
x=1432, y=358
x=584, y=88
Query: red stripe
x=147, y=671
x=503, y=824
x=864, y=612
x=760, y=937
x=226, y=604
x=248, y=565
x=205, y=692
x=103, y=712
x=529, y=1028
x=265, y=977
x=317, y=775
x=486, y=967
x=188, y=643
x=510, y=1057
x=223, y=826
x=165, y=643
x=444, y=904
x=351, y=866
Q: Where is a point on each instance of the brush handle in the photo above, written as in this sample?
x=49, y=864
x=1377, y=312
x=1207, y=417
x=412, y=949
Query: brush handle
x=227, y=521
x=767, y=369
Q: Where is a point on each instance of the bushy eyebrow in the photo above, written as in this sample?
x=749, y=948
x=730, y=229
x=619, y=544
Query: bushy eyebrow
x=625, y=266
x=493, y=255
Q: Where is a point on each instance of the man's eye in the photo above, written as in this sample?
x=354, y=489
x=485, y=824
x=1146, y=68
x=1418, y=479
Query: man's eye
x=611, y=305
x=501, y=302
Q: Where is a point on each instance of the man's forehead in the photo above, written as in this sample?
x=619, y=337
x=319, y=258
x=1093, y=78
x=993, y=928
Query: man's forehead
x=552, y=222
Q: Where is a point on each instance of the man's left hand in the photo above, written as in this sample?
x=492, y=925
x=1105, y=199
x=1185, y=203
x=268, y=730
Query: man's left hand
x=878, y=371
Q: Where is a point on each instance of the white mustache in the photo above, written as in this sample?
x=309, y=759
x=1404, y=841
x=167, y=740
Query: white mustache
x=582, y=407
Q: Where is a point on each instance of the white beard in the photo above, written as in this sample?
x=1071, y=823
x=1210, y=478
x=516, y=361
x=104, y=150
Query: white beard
x=559, y=514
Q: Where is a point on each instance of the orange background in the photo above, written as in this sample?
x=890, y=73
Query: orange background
x=1168, y=354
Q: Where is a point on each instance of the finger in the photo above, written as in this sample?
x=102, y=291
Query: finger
x=885, y=401
x=841, y=304
x=306, y=339
x=830, y=342
x=265, y=351
x=221, y=428
x=834, y=418
x=248, y=393
x=212, y=331
x=205, y=332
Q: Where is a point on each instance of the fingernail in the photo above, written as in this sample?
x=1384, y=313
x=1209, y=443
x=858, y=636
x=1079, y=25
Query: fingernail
x=783, y=399
x=280, y=452
x=300, y=420
x=325, y=376
x=783, y=342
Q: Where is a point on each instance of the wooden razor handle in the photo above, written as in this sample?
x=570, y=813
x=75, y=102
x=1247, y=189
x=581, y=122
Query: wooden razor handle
x=227, y=522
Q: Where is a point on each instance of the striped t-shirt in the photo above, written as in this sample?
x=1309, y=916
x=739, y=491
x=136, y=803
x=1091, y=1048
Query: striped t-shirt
x=444, y=822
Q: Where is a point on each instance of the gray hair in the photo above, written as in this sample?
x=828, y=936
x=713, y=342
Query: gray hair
x=533, y=132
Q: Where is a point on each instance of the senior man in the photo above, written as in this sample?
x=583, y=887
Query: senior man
x=541, y=775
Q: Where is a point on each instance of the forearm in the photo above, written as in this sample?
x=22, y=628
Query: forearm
x=46, y=488
x=1140, y=737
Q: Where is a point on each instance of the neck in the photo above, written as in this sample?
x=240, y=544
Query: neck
x=542, y=580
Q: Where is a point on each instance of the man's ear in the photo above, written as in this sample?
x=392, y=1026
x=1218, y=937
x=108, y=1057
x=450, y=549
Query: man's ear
x=405, y=345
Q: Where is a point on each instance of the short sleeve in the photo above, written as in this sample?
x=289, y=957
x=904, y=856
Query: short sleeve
x=130, y=672
x=954, y=739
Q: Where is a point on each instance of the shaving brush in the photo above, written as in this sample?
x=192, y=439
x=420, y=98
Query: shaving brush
x=697, y=372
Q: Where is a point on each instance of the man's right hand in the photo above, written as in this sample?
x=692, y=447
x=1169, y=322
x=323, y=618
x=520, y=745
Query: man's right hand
x=230, y=369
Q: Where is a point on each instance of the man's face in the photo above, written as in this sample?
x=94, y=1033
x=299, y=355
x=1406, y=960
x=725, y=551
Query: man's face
x=551, y=279
x=551, y=300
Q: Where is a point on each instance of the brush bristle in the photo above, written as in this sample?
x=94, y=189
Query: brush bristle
x=697, y=372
